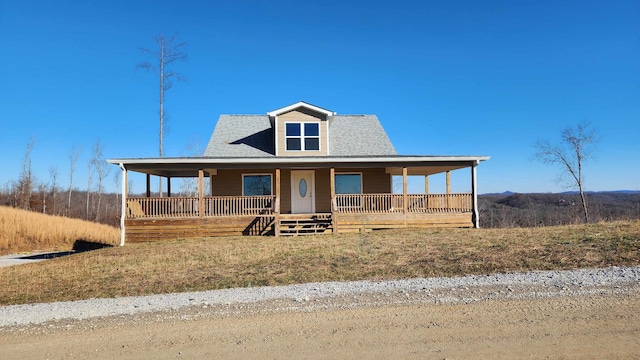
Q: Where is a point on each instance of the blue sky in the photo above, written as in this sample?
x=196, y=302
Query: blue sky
x=445, y=78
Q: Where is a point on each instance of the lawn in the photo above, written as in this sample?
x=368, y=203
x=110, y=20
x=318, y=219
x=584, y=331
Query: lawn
x=216, y=263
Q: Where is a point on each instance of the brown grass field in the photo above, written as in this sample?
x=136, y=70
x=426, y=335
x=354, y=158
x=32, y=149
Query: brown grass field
x=28, y=231
x=215, y=263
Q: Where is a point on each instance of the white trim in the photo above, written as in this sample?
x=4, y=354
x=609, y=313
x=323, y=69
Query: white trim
x=350, y=173
x=275, y=135
x=474, y=192
x=258, y=174
x=326, y=136
x=308, y=160
x=300, y=104
x=123, y=213
x=311, y=189
x=302, y=136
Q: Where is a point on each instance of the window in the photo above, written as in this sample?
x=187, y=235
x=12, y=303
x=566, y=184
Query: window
x=256, y=184
x=348, y=183
x=302, y=136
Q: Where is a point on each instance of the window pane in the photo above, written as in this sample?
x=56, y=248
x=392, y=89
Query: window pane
x=311, y=129
x=294, y=144
x=348, y=183
x=312, y=144
x=255, y=185
x=293, y=129
x=302, y=186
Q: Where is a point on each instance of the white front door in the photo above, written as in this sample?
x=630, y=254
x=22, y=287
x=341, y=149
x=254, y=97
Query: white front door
x=302, y=192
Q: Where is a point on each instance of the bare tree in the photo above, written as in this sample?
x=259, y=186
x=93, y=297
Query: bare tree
x=168, y=52
x=53, y=174
x=89, y=181
x=102, y=171
x=118, y=182
x=25, y=184
x=73, y=162
x=576, y=148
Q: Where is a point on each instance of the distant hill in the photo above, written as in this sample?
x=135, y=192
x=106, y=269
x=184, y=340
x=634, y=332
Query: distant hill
x=543, y=209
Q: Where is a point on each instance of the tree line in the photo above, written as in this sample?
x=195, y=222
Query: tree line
x=63, y=195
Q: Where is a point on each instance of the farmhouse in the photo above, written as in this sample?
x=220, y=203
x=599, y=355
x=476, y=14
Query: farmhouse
x=297, y=170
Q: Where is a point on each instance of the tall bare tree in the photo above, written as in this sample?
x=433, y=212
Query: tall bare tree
x=169, y=51
x=74, y=154
x=102, y=171
x=53, y=174
x=576, y=147
x=25, y=185
x=89, y=182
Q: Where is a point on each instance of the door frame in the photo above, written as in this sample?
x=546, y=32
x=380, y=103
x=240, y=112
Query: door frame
x=311, y=189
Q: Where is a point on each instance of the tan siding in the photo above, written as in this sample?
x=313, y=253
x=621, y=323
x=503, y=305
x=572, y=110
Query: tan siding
x=285, y=191
x=229, y=182
x=323, y=191
x=374, y=181
x=298, y=116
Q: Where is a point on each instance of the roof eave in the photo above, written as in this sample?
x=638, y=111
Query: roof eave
x=300, y=104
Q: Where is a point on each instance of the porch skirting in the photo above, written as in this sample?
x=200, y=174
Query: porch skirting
x=366, y=222
x=141, y=230
x=145, y=229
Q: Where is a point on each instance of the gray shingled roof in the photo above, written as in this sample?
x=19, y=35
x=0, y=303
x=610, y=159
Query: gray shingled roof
x=252, y=136
x=241, y=136
x=358, y=135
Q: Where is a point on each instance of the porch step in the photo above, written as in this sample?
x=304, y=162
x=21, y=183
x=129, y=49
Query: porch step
x=305, y=224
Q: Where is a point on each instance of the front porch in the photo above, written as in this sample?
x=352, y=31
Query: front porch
x=295, y=196
x=157, y=218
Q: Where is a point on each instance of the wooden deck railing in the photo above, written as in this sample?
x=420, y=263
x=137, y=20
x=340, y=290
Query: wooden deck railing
x=439, y=203
x=393, y=203
x=239, y=205
x=170, y=207
x=181, y=207
x=368, y=203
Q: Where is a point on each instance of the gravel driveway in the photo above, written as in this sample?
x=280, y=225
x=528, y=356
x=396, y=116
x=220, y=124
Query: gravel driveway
x=466, y=289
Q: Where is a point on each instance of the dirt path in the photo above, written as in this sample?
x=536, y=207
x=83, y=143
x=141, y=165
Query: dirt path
x=603, y=326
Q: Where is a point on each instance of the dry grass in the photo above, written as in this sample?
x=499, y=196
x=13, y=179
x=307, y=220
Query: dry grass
x=22, y=230
x=201, y=264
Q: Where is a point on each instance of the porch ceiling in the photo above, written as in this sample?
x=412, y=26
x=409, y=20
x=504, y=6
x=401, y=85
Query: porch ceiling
x=188, y=167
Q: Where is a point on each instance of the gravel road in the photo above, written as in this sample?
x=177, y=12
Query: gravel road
x=307, y=297
x=577, y=314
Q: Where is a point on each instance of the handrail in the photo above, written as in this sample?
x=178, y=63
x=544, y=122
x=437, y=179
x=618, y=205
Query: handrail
x=394, y=203
x=368, y=203
x=172, y=207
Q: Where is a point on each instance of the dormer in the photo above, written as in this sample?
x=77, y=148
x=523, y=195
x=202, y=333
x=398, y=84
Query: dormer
x=301, y=129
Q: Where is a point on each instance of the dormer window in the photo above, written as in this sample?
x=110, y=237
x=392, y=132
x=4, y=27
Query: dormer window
x=302, y=136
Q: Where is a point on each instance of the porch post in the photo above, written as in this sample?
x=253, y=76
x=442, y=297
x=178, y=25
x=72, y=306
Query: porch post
x=200, y=193
x=148, y=185
x=276, y=225
x=426, y=184
x=405, y=198
x=168, y=186
x=474, y=195
x=123, y=213
x=334, y=205
x=448, y=190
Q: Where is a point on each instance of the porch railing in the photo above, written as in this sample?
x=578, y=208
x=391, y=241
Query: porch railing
x=239, y=205
x=368, y=203
x=168, y=207
x=438, y=203
x=163, y=207
x=394, y=203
